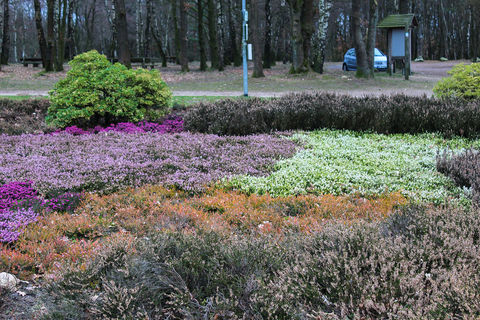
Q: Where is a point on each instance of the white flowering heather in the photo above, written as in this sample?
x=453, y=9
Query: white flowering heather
x=108, y=161
x=344, y=162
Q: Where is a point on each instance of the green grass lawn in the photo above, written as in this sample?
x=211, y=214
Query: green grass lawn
x=22, y=97
x=181, y=100
x=338, y=82
x=10, y=84
x=189, y=100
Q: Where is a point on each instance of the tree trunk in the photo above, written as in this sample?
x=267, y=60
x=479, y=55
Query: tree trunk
x=320, y=38
x=163, y=56
x=148, y=30
x=298, y=65
x=42, y=42
x=258, y=25
x=90, y=13
x=183, y=36
x=444, y=30
x=268, y=58
x=359, y=43
x=6, y=33
x=212, y=33
x=404, y=6
x=176, y=31
x=221, y=36
x=201, y=37
x=15, y=36
x=50, y=35
x=61, y=35
x=372, y=36
x=110, y=10
x=69, y=45
x=138, y=30
x=236, y=55
x=124, y=55
x=157, y=37
x=308, y=29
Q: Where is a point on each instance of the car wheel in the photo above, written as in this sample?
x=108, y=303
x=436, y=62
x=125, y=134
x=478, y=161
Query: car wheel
x=345, y=67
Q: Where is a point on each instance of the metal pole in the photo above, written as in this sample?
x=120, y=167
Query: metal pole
x=244, y=47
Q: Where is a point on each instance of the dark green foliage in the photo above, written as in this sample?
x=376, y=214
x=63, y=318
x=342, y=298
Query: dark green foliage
x=397, y=114
x=96, y=92
x=23, y=116
x=464, y=169
x=418, y=264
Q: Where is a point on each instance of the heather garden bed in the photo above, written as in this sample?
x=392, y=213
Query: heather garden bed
x=170, y=219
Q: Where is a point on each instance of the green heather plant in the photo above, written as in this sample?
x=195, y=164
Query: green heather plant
x=464, y=169
x=345, y=162
x=96, y=92
x=464, y=82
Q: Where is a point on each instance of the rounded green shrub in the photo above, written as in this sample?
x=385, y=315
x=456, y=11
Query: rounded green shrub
x=464, y=82
x=97, y=92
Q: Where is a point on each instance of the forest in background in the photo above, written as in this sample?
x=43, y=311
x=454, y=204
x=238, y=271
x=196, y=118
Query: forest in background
x=304, y=33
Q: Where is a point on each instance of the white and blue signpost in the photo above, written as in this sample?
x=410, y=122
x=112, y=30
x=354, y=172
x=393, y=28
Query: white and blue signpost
x=244, y=47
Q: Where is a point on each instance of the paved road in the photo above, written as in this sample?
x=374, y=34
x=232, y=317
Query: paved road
x=354, y=93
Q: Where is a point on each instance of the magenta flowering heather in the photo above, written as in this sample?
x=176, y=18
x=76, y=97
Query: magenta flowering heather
x=14, y=222
x=20, y=204
x=111, y=160
x=66, y=202
x=14, y=192
x=170, y=125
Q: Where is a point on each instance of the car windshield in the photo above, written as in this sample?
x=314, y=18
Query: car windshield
x=378, y=53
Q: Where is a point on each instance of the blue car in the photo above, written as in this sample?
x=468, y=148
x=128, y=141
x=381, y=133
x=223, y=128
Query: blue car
x=350, y=60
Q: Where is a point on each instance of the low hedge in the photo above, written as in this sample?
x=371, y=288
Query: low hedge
x=395, y=114
x=23, y=116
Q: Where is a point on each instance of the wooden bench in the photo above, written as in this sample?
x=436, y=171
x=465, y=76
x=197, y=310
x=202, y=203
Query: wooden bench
x=144, y=61
x=35, y=62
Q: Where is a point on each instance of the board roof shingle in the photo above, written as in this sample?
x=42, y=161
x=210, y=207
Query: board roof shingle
x=398, y=21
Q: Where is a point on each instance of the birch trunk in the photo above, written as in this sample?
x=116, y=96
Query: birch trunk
x=320, y=37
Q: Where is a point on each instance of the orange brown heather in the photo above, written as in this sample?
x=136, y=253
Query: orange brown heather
x=62, y=238
x=139, y=210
